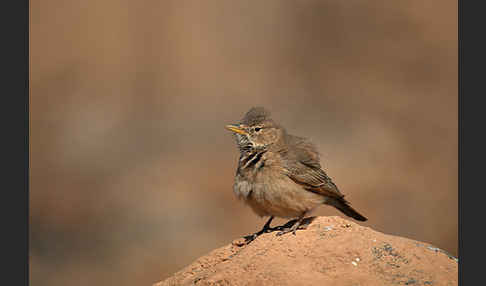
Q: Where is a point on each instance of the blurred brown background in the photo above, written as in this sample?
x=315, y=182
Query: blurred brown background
x=132, y=171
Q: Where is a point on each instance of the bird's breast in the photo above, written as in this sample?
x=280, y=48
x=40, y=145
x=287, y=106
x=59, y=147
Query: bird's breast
x=269, y=191
x=253, y=174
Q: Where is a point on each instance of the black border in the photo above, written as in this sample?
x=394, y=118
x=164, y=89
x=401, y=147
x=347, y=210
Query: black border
x=15, y=140
x=471, y=49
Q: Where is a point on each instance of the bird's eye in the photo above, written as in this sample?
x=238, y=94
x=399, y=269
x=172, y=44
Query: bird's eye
x=257, y=129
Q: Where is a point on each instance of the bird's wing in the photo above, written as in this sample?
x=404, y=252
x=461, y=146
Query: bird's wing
x=303, y=167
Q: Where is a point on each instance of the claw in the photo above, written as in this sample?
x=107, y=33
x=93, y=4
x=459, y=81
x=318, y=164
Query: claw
x=293, y=229
x=285, y=230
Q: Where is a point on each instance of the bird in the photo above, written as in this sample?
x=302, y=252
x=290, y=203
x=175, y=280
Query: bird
x=280, y=174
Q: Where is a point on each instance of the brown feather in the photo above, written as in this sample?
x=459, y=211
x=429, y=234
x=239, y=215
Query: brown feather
x=303, y=167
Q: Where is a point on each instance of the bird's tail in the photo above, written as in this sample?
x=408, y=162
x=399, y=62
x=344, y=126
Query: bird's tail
x=342, y=205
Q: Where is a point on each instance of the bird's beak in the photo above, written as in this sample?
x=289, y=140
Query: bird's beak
x=236, y=129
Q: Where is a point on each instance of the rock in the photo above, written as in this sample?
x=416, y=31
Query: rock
x=331, y=251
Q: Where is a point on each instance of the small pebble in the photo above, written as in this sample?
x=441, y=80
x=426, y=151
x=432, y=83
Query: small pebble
x=354, y=263
x=239, y=242
x=357, y=259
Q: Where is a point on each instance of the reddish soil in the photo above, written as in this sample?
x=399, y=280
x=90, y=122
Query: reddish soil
x=331, y=251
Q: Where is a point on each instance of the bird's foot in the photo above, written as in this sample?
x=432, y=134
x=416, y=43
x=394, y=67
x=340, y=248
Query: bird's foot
x=266, y=229
x=292, y=226
x=285, y=230
x=251, y=237
x=293, y=230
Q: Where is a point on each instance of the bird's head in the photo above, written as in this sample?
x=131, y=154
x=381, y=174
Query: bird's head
x=256, y=130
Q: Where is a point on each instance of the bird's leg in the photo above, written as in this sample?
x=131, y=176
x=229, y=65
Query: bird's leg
x=266, y=228
x=294, y=227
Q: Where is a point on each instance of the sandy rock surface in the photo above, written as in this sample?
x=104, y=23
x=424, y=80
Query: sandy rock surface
x=331, y=251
